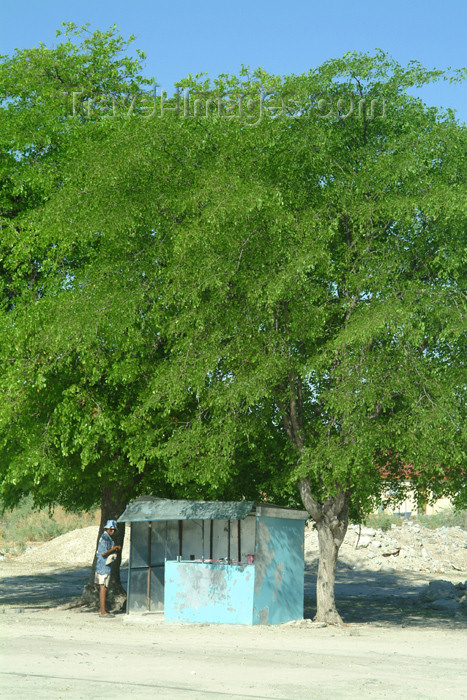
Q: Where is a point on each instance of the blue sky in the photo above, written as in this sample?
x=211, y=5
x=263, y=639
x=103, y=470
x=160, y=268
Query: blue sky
x=281, y=36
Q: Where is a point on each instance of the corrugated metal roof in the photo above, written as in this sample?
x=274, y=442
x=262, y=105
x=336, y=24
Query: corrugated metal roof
x=149, y=509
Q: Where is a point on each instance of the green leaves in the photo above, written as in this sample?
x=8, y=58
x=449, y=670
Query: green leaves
x=317, y=284
x=208, y=308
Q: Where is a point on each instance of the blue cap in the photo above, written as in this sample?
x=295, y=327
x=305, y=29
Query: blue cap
x=110, y=525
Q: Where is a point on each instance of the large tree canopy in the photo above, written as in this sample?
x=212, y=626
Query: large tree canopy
x=318, y=280
x=68, y=389
x=50, y=403
x=269, y=308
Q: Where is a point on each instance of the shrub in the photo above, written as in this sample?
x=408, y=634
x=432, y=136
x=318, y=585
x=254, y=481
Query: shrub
x=447, y=518
x=382, y=521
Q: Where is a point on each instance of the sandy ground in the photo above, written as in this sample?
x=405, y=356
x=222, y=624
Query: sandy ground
x=62, y=654
x=389, y=648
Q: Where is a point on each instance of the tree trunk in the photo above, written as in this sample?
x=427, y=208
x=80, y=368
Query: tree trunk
x=326, y=610
x=331, y=518
x=113, y=502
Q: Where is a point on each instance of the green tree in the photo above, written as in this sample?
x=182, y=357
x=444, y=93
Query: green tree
x=316, y=282
x=66, y=408
x=300, y=275
x=80, y=327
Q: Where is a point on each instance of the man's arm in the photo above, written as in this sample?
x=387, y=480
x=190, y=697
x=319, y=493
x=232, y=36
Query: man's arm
x=115, y=548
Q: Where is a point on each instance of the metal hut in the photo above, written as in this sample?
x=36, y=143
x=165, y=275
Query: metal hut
x=215, y=562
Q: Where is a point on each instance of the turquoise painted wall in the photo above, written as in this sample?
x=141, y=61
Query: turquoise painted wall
x=213, y=593
x=279, y=571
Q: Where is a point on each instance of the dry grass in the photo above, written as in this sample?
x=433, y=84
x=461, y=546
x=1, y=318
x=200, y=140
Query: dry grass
x=24, y=525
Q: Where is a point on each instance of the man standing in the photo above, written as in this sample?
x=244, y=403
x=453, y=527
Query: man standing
x=105, y=549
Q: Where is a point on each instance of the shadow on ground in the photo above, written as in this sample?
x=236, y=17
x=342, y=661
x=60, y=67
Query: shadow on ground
x=45, y=590
x=363, y=596
x=381, y=598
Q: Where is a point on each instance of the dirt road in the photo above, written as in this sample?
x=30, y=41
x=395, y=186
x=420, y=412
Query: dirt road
x=390, y=648
x=63, y=654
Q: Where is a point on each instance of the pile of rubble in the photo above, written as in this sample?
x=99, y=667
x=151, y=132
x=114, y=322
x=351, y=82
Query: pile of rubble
x=445, y=596
x=405, y=547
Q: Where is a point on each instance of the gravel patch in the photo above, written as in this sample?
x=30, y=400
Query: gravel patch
x=408, y=548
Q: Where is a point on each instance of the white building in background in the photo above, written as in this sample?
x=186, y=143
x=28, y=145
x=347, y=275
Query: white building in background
x=409, y=507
